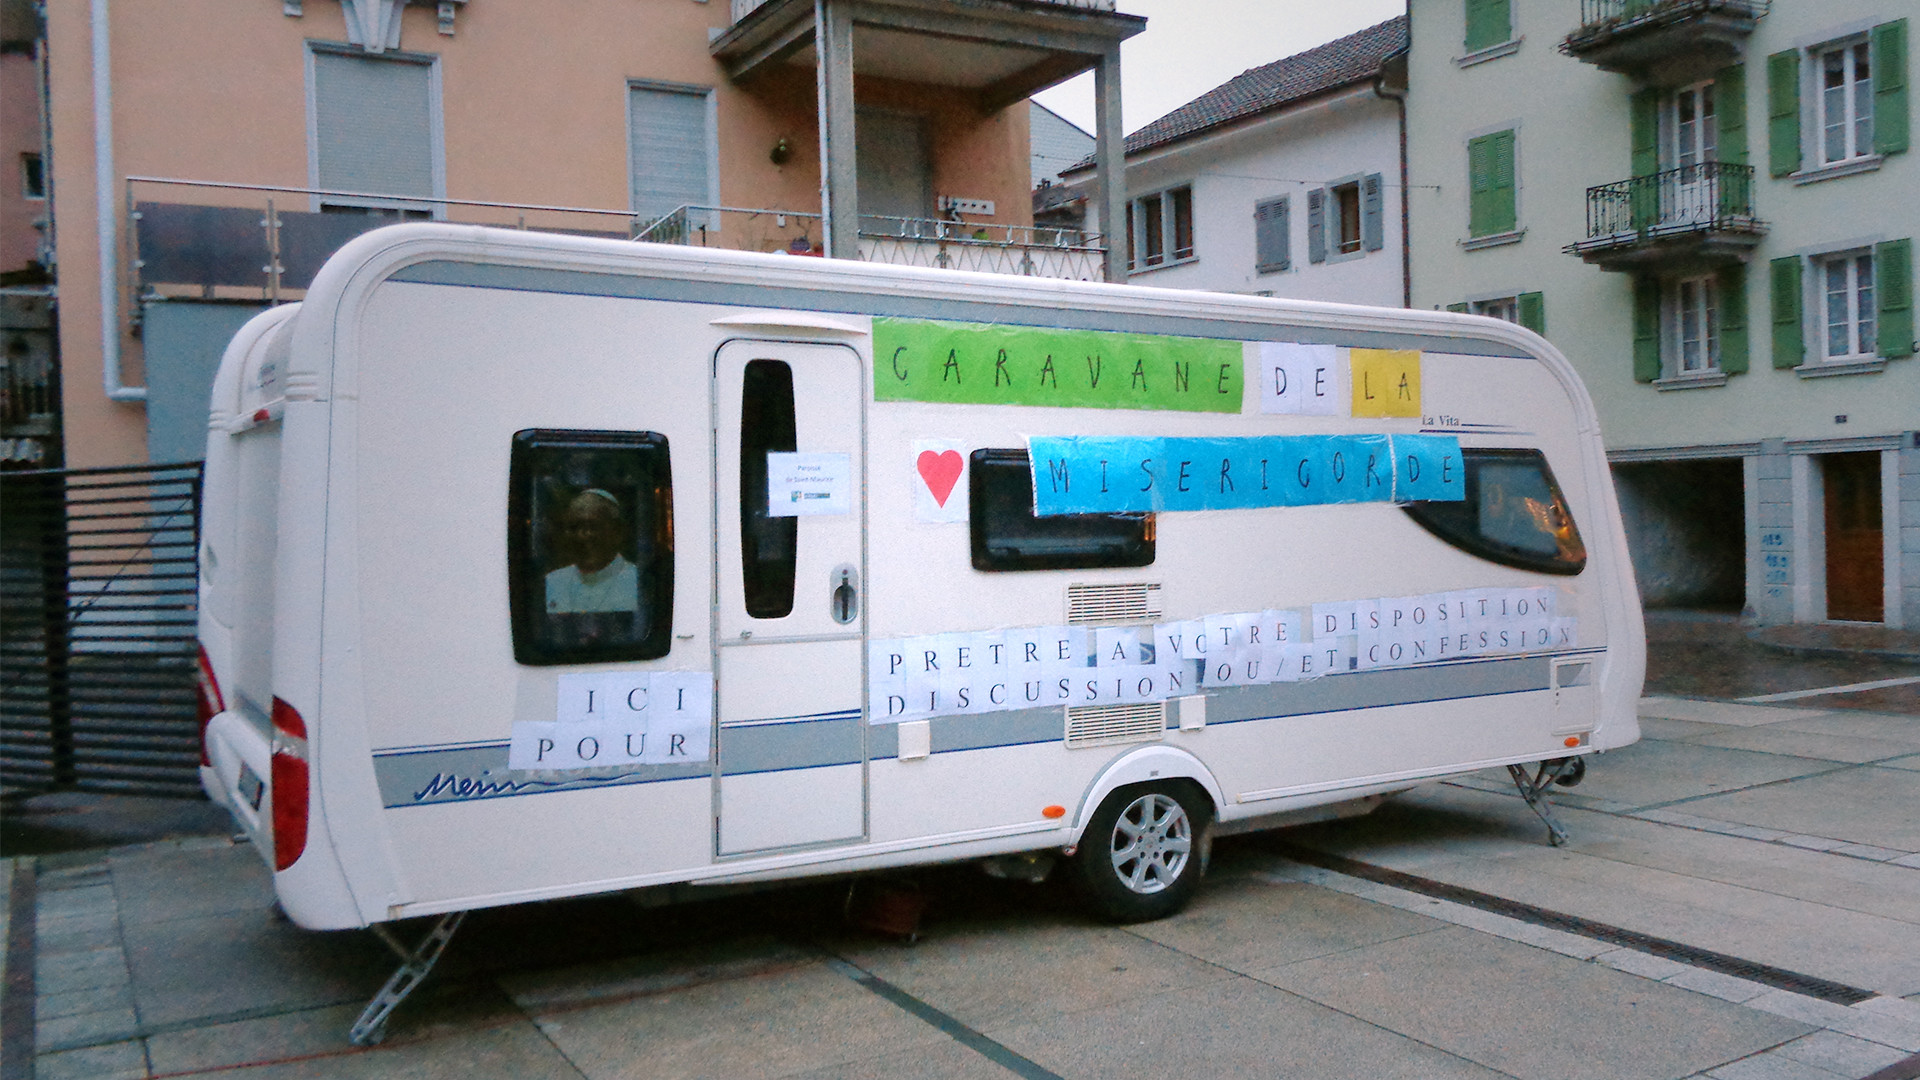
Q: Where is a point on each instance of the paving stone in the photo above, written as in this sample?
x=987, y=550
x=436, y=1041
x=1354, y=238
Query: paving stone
x=1868, y=851
x=1770, y=1067
x=85, y=1028
x=1646, y=965
x=1841, y=1054
x=1897, y=1008
x=59, y=980
x=1866, y=1025
x=1715, y=984
x=81, y=1001
x=1908, y=860
x=1812, y=843
x=114, y=1061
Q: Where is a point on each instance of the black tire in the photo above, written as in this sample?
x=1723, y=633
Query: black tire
x=1144, y=851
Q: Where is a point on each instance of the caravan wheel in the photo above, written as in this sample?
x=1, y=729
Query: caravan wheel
x=1144, y=851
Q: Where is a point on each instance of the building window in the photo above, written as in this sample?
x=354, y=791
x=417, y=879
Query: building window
x=1272, y=221
x=375, y=130
x=1160, y=228
x=1845, y=103
x=1846, y=283
x=1343, y=219
x=1693, y=326
x=1505, y=307
x=670, y=149
x=33, y=176
x=1492, y=206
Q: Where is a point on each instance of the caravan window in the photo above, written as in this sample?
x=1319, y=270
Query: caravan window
x=590, y=546
x=1008, y=536
x=1513, y=514
x=768, y=545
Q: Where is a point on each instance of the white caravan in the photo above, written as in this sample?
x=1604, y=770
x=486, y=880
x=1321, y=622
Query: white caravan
x=537, y=566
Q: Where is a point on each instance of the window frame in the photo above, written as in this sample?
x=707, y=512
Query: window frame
x=1674, y=309
x=1868, y=313
x=989, y=466
x=1858, y=91
x=1162, y=218
x=431, y=207
x=710, y=145
x=526, y=581
x=1440, y=518
x=33, y=176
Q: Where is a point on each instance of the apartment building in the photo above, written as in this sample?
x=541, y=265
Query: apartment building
x=1283, y=181
x=207, y=157
x=1708, y=206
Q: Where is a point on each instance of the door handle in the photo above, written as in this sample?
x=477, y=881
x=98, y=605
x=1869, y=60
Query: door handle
x=843, y=601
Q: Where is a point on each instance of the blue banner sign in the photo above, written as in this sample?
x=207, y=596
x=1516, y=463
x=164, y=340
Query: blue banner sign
x=1127, y=475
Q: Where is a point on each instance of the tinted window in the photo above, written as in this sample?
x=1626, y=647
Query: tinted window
x=768, y=544
x=1513, y=514
x=590, y=546
x=1007, y=535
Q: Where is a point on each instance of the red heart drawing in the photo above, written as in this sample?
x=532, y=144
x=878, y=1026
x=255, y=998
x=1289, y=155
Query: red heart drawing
x=941, y=471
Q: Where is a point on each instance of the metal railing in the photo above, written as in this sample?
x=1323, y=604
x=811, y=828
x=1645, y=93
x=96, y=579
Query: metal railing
x=98, y=608
x=247, y=236
x=1023, y=250
x=743, y=8
x=1710, y=197
x=1616, y=14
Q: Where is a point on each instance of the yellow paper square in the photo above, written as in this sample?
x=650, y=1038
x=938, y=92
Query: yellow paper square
x=1386, y=382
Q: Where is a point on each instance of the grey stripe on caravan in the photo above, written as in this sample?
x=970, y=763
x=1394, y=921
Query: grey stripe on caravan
x=594, y=283
x=1385, y=686
x=463, y=774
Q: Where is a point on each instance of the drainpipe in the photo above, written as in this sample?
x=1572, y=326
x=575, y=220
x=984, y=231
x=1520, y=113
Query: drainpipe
x=107, y=215
x=1382, y=87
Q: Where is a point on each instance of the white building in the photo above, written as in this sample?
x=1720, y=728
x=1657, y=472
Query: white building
x=1283, y=181
x=1709, y=205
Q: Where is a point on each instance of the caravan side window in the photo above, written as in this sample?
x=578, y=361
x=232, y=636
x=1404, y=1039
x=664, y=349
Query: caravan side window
x=1513, y=514
x=590, y=546
x=1008, y=536
x=768, y=545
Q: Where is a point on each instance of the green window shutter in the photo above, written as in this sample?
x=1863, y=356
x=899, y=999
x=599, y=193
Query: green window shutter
x=1789, y=341
x=1458, y=309
x=1893, y=281
x=1490, y=207
x=1733, y=319
x=1783, y=112
x=1646, y=329
x=1730, y=114
x=1489, y=23
x=1889, y=43
x=1643, y=112
x=1533, y=312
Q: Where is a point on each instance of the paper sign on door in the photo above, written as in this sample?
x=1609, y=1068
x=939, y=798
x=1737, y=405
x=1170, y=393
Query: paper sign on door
x=809, y=485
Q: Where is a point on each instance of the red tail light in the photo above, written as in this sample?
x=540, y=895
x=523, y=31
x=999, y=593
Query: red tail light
x=211, y=704
x=290, y=785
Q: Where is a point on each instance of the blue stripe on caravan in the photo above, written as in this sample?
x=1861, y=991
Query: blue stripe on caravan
x=638, y=287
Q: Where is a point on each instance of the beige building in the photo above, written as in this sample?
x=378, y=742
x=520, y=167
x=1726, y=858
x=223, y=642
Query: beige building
x=208, y=156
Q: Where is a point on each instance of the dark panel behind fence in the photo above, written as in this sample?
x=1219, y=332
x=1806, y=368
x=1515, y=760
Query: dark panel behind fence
x=97, y=610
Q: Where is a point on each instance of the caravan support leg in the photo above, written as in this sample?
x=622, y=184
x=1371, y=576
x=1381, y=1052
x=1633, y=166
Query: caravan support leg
x=414, y=965
x=1534, y=789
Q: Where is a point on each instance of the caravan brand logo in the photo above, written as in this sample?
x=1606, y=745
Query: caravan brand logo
x=987, y=364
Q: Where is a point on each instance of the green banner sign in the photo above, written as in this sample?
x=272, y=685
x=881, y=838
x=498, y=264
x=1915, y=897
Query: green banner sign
x=990, y=364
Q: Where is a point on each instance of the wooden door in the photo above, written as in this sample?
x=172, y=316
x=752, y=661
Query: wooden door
x=1855, y=554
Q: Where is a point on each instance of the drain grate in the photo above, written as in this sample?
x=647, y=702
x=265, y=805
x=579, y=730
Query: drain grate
x=1693, y=956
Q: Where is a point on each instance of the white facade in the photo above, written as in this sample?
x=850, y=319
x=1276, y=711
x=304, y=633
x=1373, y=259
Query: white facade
x=1724, y=430
x=1289, y=154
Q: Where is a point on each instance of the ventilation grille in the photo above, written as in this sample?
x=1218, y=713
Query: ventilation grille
x=1105, y=725
x=1129, y=603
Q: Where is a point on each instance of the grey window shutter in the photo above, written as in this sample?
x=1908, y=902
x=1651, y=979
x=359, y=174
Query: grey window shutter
x=1372, y=232
x=1317, y=225
x=373, y=125
x=669, y=158
x=1271, y=223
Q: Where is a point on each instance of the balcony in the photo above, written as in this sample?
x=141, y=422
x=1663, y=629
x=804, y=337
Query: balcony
x=1000, y=51
x=1027, y=251
x=1663, y=42
x=1693, y=218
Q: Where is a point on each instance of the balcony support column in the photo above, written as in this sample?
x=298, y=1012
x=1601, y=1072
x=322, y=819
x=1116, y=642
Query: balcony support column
x=839, y=175
x=1110, y=162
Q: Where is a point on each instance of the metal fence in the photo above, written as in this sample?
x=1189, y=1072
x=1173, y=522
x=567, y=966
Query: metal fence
x=1710, y=197
x=1625, y=11
x=98, y=594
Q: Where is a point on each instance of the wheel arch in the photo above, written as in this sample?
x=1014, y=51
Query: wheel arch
x=1145, y=765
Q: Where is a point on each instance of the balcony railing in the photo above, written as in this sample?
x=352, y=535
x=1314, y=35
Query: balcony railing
x=1667, y=40
x=1030, y=251
x=744, y=8
x=1694, y=211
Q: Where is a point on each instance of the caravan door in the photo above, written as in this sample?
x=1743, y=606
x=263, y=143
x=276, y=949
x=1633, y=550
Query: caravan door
x=790, y=523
